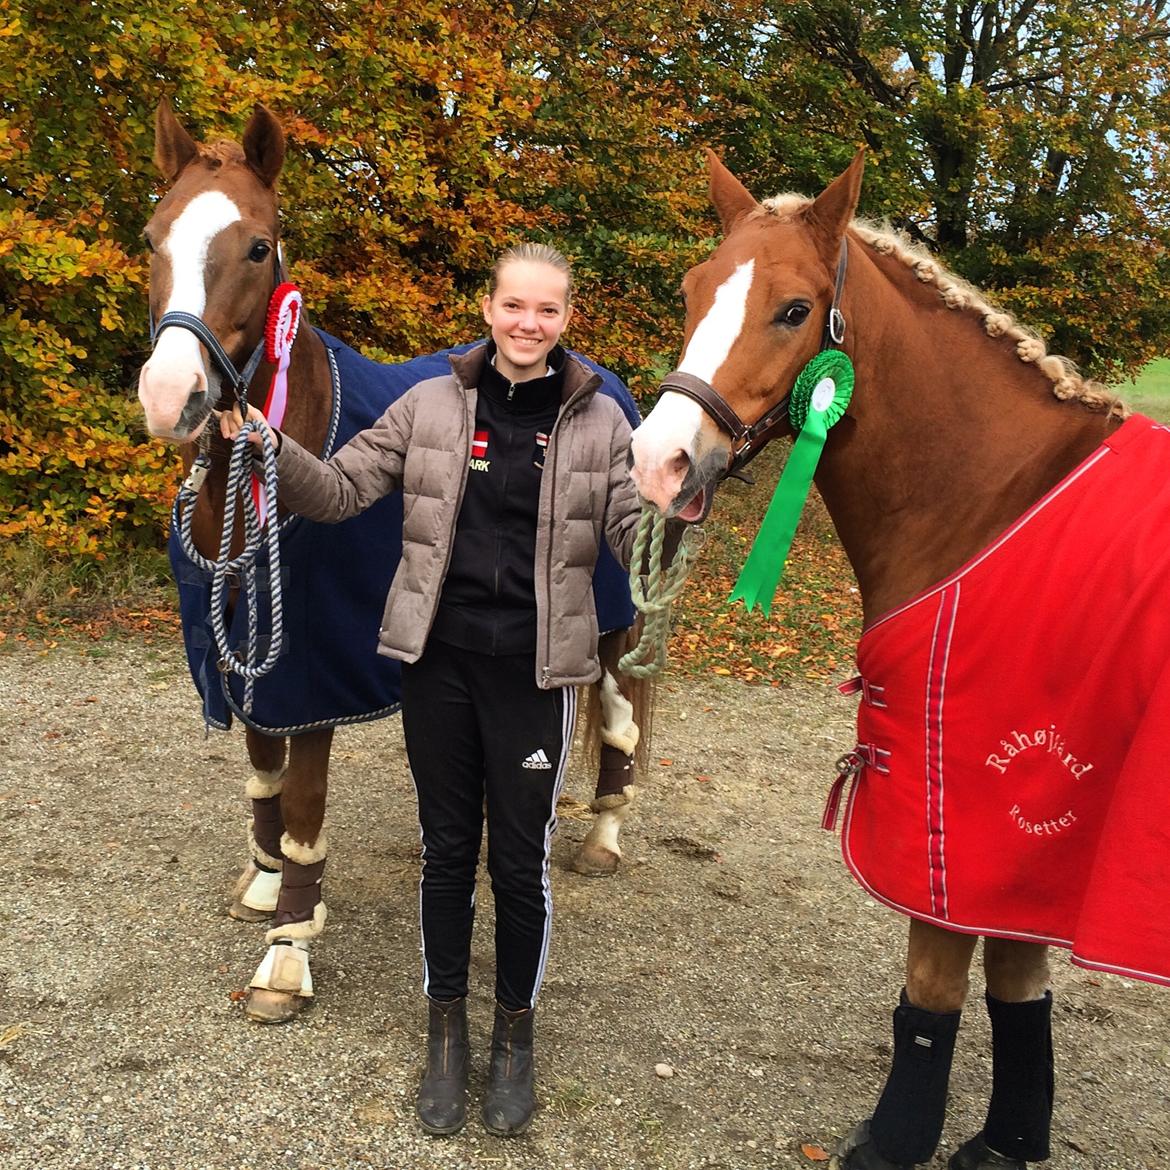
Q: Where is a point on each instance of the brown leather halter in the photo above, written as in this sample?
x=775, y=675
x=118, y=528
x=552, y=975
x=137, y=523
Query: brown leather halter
x=748, y=440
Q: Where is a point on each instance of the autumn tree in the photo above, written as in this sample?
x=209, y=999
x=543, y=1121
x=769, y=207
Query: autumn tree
x=609, y=162
x=1023, y=140
x=394, y=113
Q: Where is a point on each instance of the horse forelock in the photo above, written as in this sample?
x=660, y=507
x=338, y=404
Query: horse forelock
x=959, y=294
x=221, y=151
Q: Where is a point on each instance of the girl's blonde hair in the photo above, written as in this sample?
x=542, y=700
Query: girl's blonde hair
x=533, y=254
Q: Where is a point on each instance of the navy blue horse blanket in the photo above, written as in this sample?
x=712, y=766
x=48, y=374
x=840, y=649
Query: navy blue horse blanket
x=335, y=578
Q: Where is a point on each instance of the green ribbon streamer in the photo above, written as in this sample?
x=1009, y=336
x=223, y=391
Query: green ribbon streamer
x=819, y=399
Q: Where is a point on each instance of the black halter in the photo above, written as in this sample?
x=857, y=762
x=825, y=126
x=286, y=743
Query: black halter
x=747, y=441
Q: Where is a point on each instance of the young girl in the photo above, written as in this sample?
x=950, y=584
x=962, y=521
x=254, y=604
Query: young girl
x=513, y=470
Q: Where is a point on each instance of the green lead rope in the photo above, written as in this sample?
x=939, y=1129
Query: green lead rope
x=819, y=399
x=654, y=592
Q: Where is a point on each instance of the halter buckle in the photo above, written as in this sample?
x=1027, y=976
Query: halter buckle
x=836, y=325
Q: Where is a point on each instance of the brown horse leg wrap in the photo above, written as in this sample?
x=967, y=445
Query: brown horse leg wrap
x=1019, y=1117
x=616, y=771
x=300, y=891
x=267, y=827
x=908, y=1120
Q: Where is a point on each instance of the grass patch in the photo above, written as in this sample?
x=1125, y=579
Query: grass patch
x=43, y=597
x=1149, y=392
x=567, y=1097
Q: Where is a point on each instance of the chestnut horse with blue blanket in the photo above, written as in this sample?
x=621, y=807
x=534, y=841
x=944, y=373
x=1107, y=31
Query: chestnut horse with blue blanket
x=215, y=267
x=1009, y=526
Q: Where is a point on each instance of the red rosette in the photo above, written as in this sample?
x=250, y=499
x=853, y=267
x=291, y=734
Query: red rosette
x=284, y=316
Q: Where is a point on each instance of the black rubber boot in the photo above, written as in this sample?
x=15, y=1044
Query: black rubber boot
x=510, y=1100
x=974, y=1154
x=442, y=1093
x=908, y=1120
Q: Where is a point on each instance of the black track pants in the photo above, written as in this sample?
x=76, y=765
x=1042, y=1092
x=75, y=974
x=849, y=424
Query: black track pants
x=479, y=729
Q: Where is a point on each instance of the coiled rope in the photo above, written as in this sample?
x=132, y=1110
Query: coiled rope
x=654, y=591
x=226, y=571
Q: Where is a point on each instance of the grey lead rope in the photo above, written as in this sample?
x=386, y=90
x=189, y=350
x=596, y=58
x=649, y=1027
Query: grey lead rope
x=243, y=567
x=654, y=592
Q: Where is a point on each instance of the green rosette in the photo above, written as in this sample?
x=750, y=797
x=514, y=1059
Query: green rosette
x=819, y=399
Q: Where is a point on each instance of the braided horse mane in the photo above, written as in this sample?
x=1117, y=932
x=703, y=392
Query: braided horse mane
x=957, y=293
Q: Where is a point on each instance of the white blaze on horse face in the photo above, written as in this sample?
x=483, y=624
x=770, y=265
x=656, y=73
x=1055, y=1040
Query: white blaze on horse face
x=714, y=336
x=175, y=370
x=666, y=444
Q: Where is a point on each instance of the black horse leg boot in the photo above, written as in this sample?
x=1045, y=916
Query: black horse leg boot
x=442, y=1093
x=1020, y=1114
x=907, y=1123
x=510, y=1100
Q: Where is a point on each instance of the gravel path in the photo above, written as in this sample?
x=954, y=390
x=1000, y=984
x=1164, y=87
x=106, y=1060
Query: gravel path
x=732, y=947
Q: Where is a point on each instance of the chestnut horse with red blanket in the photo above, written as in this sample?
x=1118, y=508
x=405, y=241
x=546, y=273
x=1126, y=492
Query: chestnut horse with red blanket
x=214, y=239
x=1009, y=526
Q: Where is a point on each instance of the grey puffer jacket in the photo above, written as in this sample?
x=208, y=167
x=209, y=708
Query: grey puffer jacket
x=423, y=444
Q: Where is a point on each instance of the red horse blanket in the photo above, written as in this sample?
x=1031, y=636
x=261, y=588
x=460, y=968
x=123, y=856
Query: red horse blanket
x=1015, y=723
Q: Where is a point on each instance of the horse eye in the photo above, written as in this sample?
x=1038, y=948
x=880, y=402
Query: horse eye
x=793, y=314
x=149, y=243
x=260, y=251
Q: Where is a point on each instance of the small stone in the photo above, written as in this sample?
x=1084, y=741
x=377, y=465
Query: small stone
x=663, y=1070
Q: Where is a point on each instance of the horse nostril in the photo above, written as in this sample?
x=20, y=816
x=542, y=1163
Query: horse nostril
x=678, y=465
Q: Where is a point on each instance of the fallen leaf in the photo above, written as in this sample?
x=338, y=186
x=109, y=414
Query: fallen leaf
x=13, y=1033
x=666, y=763
x=814, y=1153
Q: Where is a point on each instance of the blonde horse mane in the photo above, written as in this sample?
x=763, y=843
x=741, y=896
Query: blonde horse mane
x=957, y=293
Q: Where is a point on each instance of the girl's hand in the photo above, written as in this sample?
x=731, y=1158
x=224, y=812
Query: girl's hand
x=230, y=425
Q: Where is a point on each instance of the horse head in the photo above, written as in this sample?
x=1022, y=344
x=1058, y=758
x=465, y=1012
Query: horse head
x=214, y=255
x=756, y=312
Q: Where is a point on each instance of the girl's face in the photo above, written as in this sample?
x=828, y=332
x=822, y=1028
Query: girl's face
x=527, y=314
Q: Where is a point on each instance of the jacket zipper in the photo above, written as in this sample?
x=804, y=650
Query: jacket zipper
x=566, y=410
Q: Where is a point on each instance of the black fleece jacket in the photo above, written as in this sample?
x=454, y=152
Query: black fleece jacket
x=488, y=602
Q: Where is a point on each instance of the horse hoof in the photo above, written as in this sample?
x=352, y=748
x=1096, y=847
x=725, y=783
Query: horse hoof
x=856, y=1152
x=594, y=861
x=273, y=1007
x=242, y=913
x=256, y=894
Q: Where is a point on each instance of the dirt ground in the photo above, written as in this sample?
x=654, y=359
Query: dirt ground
x=732, y=946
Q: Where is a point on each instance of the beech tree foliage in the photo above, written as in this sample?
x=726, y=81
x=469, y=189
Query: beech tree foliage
x=1023, y=141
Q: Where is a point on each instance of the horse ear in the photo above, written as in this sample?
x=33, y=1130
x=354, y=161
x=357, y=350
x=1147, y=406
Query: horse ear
x=174, y=148
x=832, y=210
x=264, y=145
x=730, y=197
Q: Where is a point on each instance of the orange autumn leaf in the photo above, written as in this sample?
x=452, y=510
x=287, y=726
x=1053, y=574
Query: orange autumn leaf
x=814, y=1153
